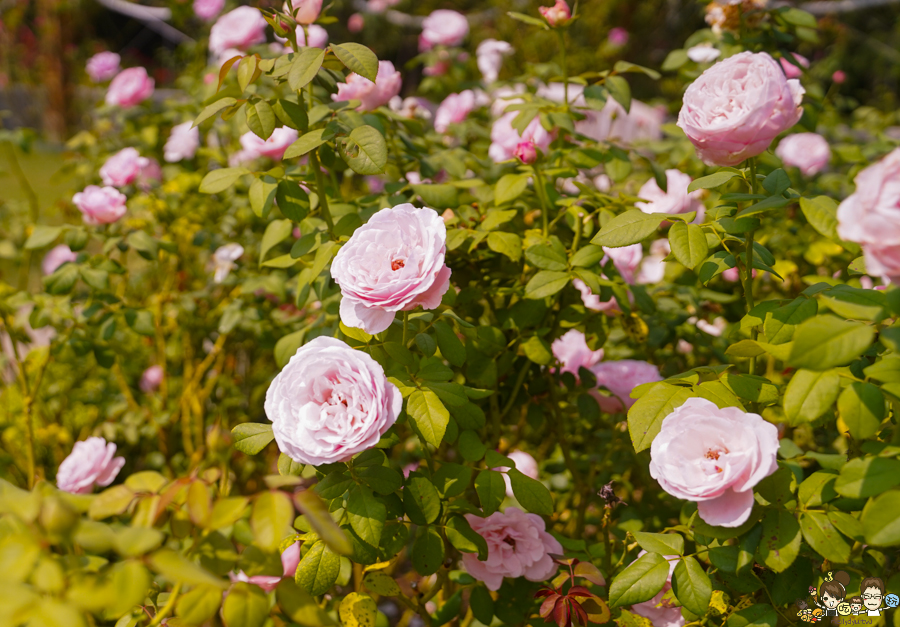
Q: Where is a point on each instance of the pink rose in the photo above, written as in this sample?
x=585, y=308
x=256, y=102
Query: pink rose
x=653, y=266
x=791, y=70
x=151, y=379
x=394, y=262
x=626, y=259
x=184, y=139
x=490, y=53
x=307, y=11
x=518, y=546
x=208, y=9
x=274, y=147
x=90, y=463
x=443, y=28
x=123, y=167
x=572, y=351
x=871, y=216
x=454, y=109
x=150, y=173
x=675, y=199
x=525, y=464
x=714, y=457
x=380, y=6
x=683, y=347
x=558, y=14
x=660, y=611
x=621, y=377
x=808, y=151
x=129, y=88
x=223, y=260
x=505, y=139
x=526, y=152
x=839, y=76
x=714, y=328
x=241, y=28
x=290, y=559
x=371, y=95
x=57, y=256
x=617, y=36
x=592, y=301
x=356, y=22
x=103, y=66
x=318, y=36
x=703, y=53
x=100, y=205
x=330, y=402
x=738, y=106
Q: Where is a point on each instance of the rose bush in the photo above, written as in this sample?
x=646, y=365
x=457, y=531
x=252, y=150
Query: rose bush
x=466, y=338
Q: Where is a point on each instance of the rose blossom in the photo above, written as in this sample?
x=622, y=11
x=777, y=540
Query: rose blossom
x=617, y=36
x=592, y=301
x=151, y=379
x=184, y=139
x=525, y=464
x=714, y=328
x=518, y=546
x=572, y=351
x=807, y=151
x=273, y=148
x=129, y=88
x=123, y=167
x=703, y=53
x=715, y=457
x=150, y=173
x=660, y=611
x=626, y=259
x=871, y=216
x=100, y=205
x=208, y=9
x=223, y=260
x=738, y=106
x=103, y=66
x=620, y=377
x=318, y=38
x=290, y=559
x=90, y=463
x=443, y=28
x=394, y=262
x=454, y=109
x=307, y=10
x=356, y=22
x=675, y=199
x=653, y=266
x=557, y=14
x=330, y=402
x=371, y=95
x=526, y=152
x=791, y=70
x=57, y=256
x=490, y=53
x=505, y=139
x=241, y=28
x=839, y=76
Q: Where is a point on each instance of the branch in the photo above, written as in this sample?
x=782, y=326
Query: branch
x=826, y=7
x=153, y=18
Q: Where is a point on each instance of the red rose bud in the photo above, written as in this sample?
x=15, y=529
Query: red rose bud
x=526, y=152
x=558, y=14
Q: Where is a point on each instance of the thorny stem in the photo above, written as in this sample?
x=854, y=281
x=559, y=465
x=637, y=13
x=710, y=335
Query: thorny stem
x=542, y=195
x=562, y=47
x=320, y=188
x=405, y=325
x=748, y=270
x=515, y=391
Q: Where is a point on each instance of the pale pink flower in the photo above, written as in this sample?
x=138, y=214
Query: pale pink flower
x=626, y=259
x=871, y=216
x=621, y=377
x=505, y=139
x=307, y=10
x=380, y=6
x=572, y=351
x=371, y=95
x=660, y=611
x=241, y=28
x=123, y=167
x=732, y=275
x=394, y=262
x=290, y=559
x=617, y=36
x=715, y=457
x=443, y=28
x=254, y=146
x=223, y=260
x=791, y=70
x=738, y=106
x=684, y=347
x=526, y=152
x=129, y=88
x=330, y=402
x=150, y=174
x=91, y=462
x=318, y=38
x=839, y=76
x=518, y=546
x=525, y=464
x=208, y=9
x=490, y=53
x=100, y=205
x=151, y=378
x=809, y=152
x=184, y=139
x=675, y=199
x=592, y=301
x=714, y=328
x=103, y=66
x=653, y=266
x=411, y=107
x=454, y=109
x=57, y=256
x=703, y=53
x=356, y=22
x=559, y=13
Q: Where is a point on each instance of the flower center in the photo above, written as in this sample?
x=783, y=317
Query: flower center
x=396, y=264
x=510, y=541
x=714, y=453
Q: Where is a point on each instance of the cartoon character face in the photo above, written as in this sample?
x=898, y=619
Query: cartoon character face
x=831, y=602
x=872, y=598
x=855, y=607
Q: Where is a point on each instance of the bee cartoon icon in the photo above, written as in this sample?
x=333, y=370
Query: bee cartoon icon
x=832, y=593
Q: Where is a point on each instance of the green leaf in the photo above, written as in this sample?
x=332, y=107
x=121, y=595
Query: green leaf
x=276, y=232
x=880, y=519
x=421, y=499
x=220, y=180
x=809, y=395
x=176, y=567
x=261, y=119
x=324, y=255
x=780, y=542
x=545, y=258
x=429, y=415
x=286, y=346
x=245, y=605
x=358, y=610
x=662, y=543
x=509, y=187
x=199, y=604
x=780, y=323
x=776, y=182
x=452, y=479
x=620, y=91
x=365, y=151
x=691, y=586
x=252, y=437
x=291, y=114
x=646, y=415
x=382, y=479
x=712, y=181
x=588, y=256
x=452, y=349
x=508, y=244
x=213, y=109
x=688, y=244
x=247, y=71
x=482, y=605
x=861, y=406
x=318, y=570
x=381, y=583
x=42, y=236
x=305, y=67
x=818, y=488
x=528, y=19
x=308, y=141
x=271, y=519
x=546, y=283
x=292, y=201
x=357, y=58
x=821, y=213
x=464, y=538
x=491, y=490
x=287, y=467
x=262, y=193
x=759, y=615
x=537, y=350
x=867, y=476
x=226, y=512
x=428, y=551
x=827, y=341
x=316, y=512
x=438, y=196
x=772, y=202
x=531, y=493
x=628, y=228
x=367, y=514
x=640, y=581
x=824, y=539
